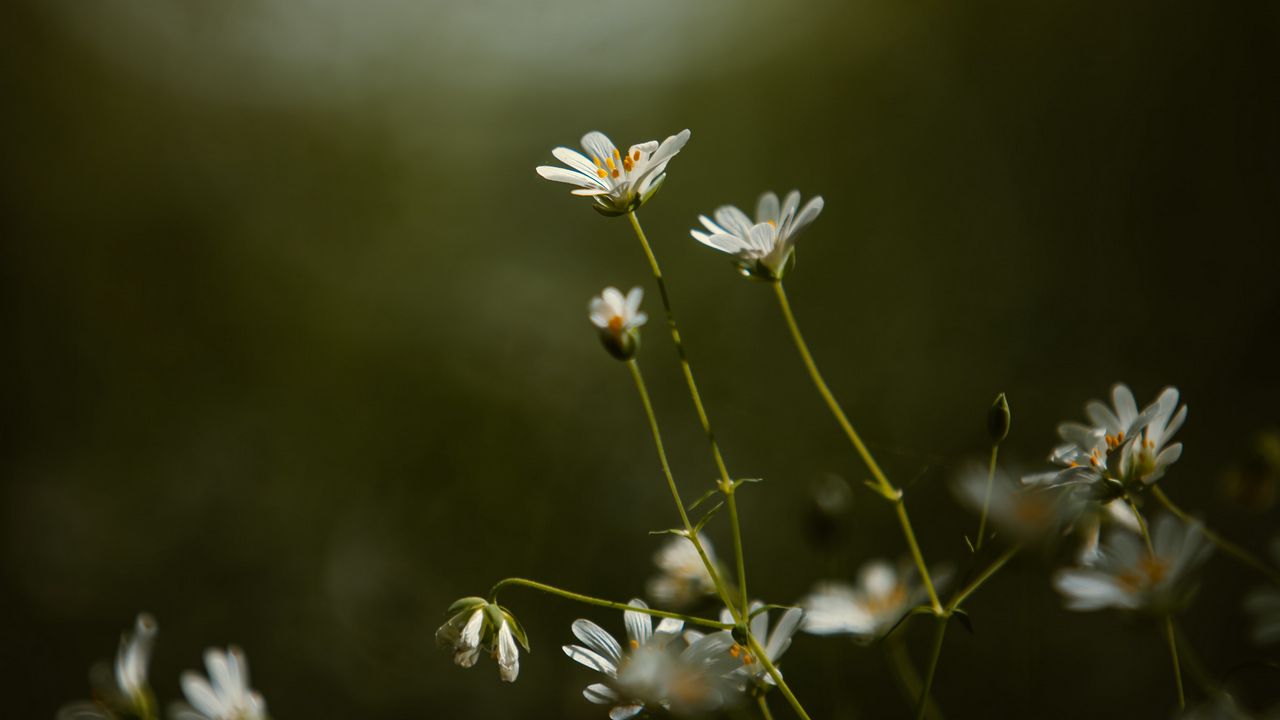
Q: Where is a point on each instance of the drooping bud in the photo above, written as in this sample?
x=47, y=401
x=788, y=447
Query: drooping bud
x=618, y=320
x=998, y=418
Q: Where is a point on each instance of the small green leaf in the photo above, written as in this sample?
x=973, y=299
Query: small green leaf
x=464, y=604
x=741, y=481
x=707, y=518
x=670, y=531
x=705, y=496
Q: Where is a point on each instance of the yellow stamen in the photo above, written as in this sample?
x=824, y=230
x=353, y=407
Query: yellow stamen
x=609, y=162
x=635, y=644
x=635, y=156
x=602, y=173
x=595, y=160
x=615, y=323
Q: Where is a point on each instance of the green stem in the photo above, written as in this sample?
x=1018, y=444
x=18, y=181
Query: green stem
x=777, y=676
x=984, y=576
x=726, y=483
x=721, y=589
x=1226, y=545
x=908, y=677
x=939, y=634
x=1142, y=526
x=1173, y=653
x=885, y=487
x=600, y=602
x=986, y=500
x=763, y=703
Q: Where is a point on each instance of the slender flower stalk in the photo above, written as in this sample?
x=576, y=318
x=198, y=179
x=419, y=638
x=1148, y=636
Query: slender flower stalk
x=938, y=636
x=986, y=502
x=884, y=487
x=1173, y=653
x=727, y=486
x=763, y=703
x=600, y=602
x=721, y=589
x=1226, y=545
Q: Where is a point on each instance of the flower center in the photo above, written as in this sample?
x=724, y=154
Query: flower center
x=891, y=600
x=1150, y=571
x=609, y=167
x=615, y=324
x=742, y=654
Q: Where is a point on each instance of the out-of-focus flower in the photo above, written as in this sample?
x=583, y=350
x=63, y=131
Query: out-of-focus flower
x=1025, y=514
x=683, y=577
x=618, y=319
x=1264, y=605
x=656, y=670
x=229, y=697
x=867, y=610
x=1128, y=576
x=475, y=624
x=765, y=248
x=126, y=691
x=1091, y=517
x=617, y=183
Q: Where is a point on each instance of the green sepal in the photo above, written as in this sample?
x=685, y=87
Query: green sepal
x=670, y=531
x=463, y=604
x=742, y=481
x=516, y=629
x=963, y=617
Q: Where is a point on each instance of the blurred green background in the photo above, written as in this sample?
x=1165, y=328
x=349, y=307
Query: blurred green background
x=297, y=353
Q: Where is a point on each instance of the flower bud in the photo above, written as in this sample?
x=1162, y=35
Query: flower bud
x=998, y=419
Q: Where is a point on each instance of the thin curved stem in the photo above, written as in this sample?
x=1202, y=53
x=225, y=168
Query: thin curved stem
x=721, y=589
x=726, y=482
x=600, y=602
x=908, y=677
x=1173, y=653
x=763, y=703
x=984, y=576
x=1142, y=526
x=777, y=676
x=1224, y=544
x=885, y=487
x=986, y=500
x=938, y=636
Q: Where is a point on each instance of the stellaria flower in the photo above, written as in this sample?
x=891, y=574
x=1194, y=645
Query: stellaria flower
x=684, y=577
x=1264, y=605
x=657, y=670
x=126, y=690
x=1129, y=576
x=618, y=319
x=1026, y=514
x=475, y=624
x=764, y=249
x=229, y=697
x=617, y=183
x=1142, y=438
x=869, y=610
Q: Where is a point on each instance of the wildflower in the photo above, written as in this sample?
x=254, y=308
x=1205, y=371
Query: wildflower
x=763, y=249
x=619, y=319
x=617, y=183
x=867, y=611
x=130, y=692
x=1090, y=519
x=1264, y=605
x=1081, y=460
x=657, y=670
x=1129, y=576
x=229, y=697
x=684, y=577
x=474, y=625
x=1026, y=514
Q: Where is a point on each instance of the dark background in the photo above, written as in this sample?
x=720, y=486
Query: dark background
x=296, y=349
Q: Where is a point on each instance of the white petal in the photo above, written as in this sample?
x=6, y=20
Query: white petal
x=600, y=694
x=508, y=654
x=201, y=695
x=559, y=174
x=625, y=712
x=599, y=145
x=767, y=208
x=575, y=160
x=591, y=659
x=734, y=220
x=639, y=625
x=598, y=640
x=780, y=640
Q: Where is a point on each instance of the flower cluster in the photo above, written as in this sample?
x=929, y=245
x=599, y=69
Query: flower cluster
x=474, y=625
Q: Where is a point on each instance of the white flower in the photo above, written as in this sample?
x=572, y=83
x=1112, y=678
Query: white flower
x=764, y=248
x=618, y=318
x=1024, y=513
x=1130, y=577
x=684, y=577
x=124, y=689
x=475, y=624
x=867, y=611
x=617, y=183
x=1147, y=456
x=229, y=697
x=1264, y=605
x=1141, y=437
x=654, y=672
x=1092, y=516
